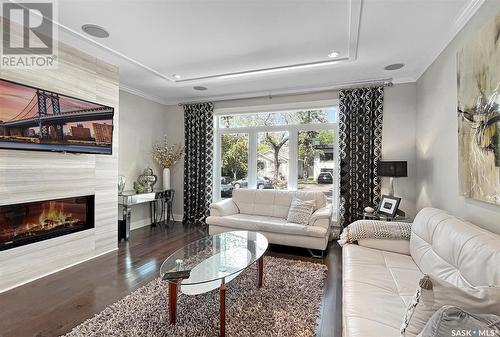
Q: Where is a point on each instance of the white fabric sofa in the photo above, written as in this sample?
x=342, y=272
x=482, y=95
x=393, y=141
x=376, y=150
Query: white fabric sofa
x=379, y=283
x=265, y=211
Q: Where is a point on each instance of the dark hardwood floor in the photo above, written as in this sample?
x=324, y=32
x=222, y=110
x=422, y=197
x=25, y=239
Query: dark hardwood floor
x=53, y=305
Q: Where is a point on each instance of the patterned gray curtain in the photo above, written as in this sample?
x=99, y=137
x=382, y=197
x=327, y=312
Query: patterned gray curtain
x=198, y=161
x=360, y=141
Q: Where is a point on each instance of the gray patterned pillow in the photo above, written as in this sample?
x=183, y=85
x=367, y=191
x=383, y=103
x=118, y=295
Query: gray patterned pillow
x=300, y=211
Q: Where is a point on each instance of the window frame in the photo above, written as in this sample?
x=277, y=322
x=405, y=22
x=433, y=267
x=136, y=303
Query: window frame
x=293, y=131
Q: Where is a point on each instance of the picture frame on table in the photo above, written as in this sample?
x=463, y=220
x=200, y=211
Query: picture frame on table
x=388, y=205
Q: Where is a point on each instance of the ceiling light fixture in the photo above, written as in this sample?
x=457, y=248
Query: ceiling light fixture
x=176, y=76
x=333, y=54
x=199, y=88
x=95, y=30
x=265, y=70
x=394, y=66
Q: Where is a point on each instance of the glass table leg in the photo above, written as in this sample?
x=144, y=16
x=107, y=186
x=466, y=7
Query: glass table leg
x=172, y=301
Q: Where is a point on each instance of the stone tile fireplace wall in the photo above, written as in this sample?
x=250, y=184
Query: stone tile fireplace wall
x=27, y=176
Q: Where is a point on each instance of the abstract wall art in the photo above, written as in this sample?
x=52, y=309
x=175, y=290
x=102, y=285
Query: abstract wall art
x=478, y=79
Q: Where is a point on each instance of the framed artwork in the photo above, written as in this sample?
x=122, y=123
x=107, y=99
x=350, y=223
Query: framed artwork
x=478, y=78
x=388, y=205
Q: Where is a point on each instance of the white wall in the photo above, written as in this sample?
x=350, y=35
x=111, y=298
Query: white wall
x=174, y=125
x=437, y=140
x=144, y=123
x=398, y=141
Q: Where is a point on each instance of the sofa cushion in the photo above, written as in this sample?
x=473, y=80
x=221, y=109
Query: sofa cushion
x=266, y=224
x=455, y=250
x=377, y=287
x=300, y=211
x=274, y=203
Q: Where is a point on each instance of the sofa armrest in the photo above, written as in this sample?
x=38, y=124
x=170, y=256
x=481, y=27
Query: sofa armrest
x=321, y=217
x=223, y=208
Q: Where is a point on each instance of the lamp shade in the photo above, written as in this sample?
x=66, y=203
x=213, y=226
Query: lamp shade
x=392, y=169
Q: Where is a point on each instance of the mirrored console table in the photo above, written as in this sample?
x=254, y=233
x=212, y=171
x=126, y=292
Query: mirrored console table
x=160, y=202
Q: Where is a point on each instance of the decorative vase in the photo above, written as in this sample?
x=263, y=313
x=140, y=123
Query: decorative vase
x=121, y=184
x=166, y=178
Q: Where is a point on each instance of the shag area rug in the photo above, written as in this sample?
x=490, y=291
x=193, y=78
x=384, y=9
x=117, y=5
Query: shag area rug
x=286, y=306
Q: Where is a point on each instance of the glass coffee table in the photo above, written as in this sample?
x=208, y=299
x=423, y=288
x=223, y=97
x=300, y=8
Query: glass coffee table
x=211, y=263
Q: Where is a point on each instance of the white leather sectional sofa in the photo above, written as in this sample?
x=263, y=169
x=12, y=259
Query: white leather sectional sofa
x=266, y=211
x=379, y=283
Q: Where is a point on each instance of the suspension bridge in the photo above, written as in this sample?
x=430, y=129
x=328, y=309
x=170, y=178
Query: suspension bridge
x=46, y=110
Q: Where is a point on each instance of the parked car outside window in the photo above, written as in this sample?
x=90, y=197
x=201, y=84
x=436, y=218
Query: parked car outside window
x=262, y=183
x=325, y=178
x=226, y=190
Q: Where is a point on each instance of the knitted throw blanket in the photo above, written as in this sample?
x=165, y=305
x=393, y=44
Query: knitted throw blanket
x=374, y=229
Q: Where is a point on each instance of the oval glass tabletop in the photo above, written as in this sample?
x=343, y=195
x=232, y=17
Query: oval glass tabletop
x=215, y=257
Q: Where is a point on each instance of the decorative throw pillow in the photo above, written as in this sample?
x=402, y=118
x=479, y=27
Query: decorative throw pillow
x=375, y=229
x=434, y=293
x=300, y=211
x=449, y=319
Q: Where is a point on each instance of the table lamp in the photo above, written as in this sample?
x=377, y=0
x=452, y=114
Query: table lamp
x=392, y=169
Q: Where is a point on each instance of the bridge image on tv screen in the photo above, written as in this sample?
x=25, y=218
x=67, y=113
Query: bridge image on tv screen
x=37, y=119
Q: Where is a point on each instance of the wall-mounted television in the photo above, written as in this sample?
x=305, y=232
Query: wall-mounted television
x=38, y=119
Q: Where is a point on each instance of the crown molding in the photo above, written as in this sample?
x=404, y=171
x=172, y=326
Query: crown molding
x=257, y=94
x=289, y=91
x=460, y=21
x=144, y=95
x=469, y=10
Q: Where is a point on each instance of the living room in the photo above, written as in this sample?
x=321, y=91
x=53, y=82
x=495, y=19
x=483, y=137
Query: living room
x=250, y=168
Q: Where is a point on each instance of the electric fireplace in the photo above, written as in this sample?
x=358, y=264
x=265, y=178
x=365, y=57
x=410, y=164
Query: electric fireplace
x=21, y=224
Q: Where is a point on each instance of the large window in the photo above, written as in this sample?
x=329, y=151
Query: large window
x=287, y=149
x=315, y=156
x=273, y=157
x=234, y=162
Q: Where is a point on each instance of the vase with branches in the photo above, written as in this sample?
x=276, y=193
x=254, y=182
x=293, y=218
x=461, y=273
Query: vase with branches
x=167, y=155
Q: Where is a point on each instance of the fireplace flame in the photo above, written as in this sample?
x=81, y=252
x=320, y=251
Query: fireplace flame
x=54, y=216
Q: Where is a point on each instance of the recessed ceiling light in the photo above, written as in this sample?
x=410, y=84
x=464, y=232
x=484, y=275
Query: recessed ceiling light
x=95, y=30
x=176, y=76
x=394, y=66
x=333, y=54
x=199, y=88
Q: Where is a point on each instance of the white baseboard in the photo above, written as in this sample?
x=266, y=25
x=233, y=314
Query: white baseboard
x=147, y=222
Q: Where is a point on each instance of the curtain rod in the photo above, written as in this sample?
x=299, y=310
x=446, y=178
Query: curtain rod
x=386, y=82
